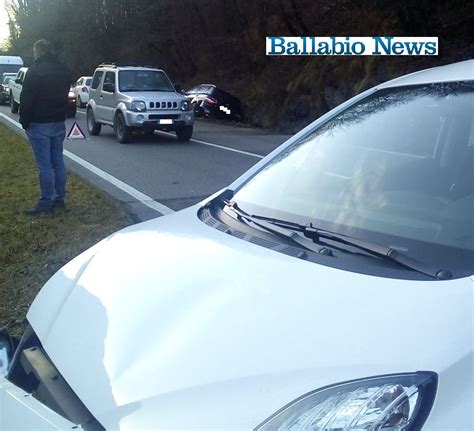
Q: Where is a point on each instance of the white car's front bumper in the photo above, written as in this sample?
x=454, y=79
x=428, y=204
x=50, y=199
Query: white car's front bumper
x=19, y=411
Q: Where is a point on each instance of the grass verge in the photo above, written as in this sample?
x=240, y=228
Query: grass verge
x=32, y=249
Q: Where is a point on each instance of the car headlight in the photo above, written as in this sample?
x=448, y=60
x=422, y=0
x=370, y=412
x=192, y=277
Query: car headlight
x=389, y=403
x=185, y=106
x=138, y=106
x=72, y=95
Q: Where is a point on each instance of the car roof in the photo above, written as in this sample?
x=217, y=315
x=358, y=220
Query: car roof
x=461, y=71
x=11, y=59
x=202, y=85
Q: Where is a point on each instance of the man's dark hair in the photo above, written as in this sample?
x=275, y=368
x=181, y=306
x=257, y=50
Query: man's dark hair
x=43, y=47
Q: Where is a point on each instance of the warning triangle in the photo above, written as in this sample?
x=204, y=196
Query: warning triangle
x=76, y=132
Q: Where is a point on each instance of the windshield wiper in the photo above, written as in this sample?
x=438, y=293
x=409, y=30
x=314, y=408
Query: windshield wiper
x=291, y=235
x=310, y=231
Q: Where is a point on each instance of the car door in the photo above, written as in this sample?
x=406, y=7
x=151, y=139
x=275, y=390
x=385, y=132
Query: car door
x=18, y=86
x=95, y=93
x=107, y=98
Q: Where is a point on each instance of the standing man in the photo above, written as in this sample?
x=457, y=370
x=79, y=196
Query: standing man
x=43, y=104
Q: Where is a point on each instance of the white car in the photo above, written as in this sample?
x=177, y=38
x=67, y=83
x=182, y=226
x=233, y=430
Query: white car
x=15, y=87
x=81, y=90
x=329, y=288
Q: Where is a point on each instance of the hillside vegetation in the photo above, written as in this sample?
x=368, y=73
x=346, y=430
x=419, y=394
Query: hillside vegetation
x=223, y=42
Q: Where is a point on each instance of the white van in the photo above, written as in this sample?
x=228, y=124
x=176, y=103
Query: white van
x=10, y=64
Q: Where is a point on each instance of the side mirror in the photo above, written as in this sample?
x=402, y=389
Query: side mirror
x=109, y=87
x=178, y=88
x=19, y=81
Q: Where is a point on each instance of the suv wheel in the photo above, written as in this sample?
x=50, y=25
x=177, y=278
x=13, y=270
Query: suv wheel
x=123, y=133
x=93, y=127
x=13, y=105
x=184, y=133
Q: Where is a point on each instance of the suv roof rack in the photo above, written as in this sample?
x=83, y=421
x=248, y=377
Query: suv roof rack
x=107, y=65
x=150, y=66
x=114, y=65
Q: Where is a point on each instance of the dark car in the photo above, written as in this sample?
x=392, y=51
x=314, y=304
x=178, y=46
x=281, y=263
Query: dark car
x=210, y=101
x=4, y=88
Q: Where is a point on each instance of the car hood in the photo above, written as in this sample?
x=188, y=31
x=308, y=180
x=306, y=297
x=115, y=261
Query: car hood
x=171, y=324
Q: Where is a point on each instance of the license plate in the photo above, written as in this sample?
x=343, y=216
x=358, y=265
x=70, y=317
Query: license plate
x=166, y=121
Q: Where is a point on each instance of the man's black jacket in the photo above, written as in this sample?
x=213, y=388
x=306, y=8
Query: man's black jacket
x=44, y=95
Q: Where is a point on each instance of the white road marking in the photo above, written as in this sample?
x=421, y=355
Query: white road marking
x=233, y=150
x=209, y=144
x=247, y=153
x=136, y=194
x=10, y=120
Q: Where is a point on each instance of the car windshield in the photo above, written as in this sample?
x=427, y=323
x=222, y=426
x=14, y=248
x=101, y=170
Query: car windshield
x=144, y=80
x=396, y=169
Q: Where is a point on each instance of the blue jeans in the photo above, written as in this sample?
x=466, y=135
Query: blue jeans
x=47, y=141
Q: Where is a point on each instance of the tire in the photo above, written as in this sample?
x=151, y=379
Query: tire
x=71, y=113
x=13, y=105
x=198, y=111
x=184, y=133
x=79, y=103
x=92, y=127
x=123, y=133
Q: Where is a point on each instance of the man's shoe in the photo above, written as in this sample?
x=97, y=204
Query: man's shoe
x=59, y=204
x=40, y=208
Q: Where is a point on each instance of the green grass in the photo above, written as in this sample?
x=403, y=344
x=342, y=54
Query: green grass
x=32, y=249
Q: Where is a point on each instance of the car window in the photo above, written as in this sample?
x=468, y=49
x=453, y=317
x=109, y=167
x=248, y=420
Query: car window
x=88, y=81
x=109, y=78
x=97, y=78
x=144, y=80
x=220, y=94
x=206, y=89
x=396, y=168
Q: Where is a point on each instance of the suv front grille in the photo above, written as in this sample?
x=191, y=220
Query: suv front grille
x=159, y=116
x=164, y=105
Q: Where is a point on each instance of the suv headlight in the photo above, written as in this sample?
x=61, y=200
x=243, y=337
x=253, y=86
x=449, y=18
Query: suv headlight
x=389, y=403
x=138, y=106
x=185, y=106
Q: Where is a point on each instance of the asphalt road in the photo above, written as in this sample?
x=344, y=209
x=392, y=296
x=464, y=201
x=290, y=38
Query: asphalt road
x=160, y=168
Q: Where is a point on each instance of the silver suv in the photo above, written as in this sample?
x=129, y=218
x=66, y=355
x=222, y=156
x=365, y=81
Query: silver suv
x=137, y=99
